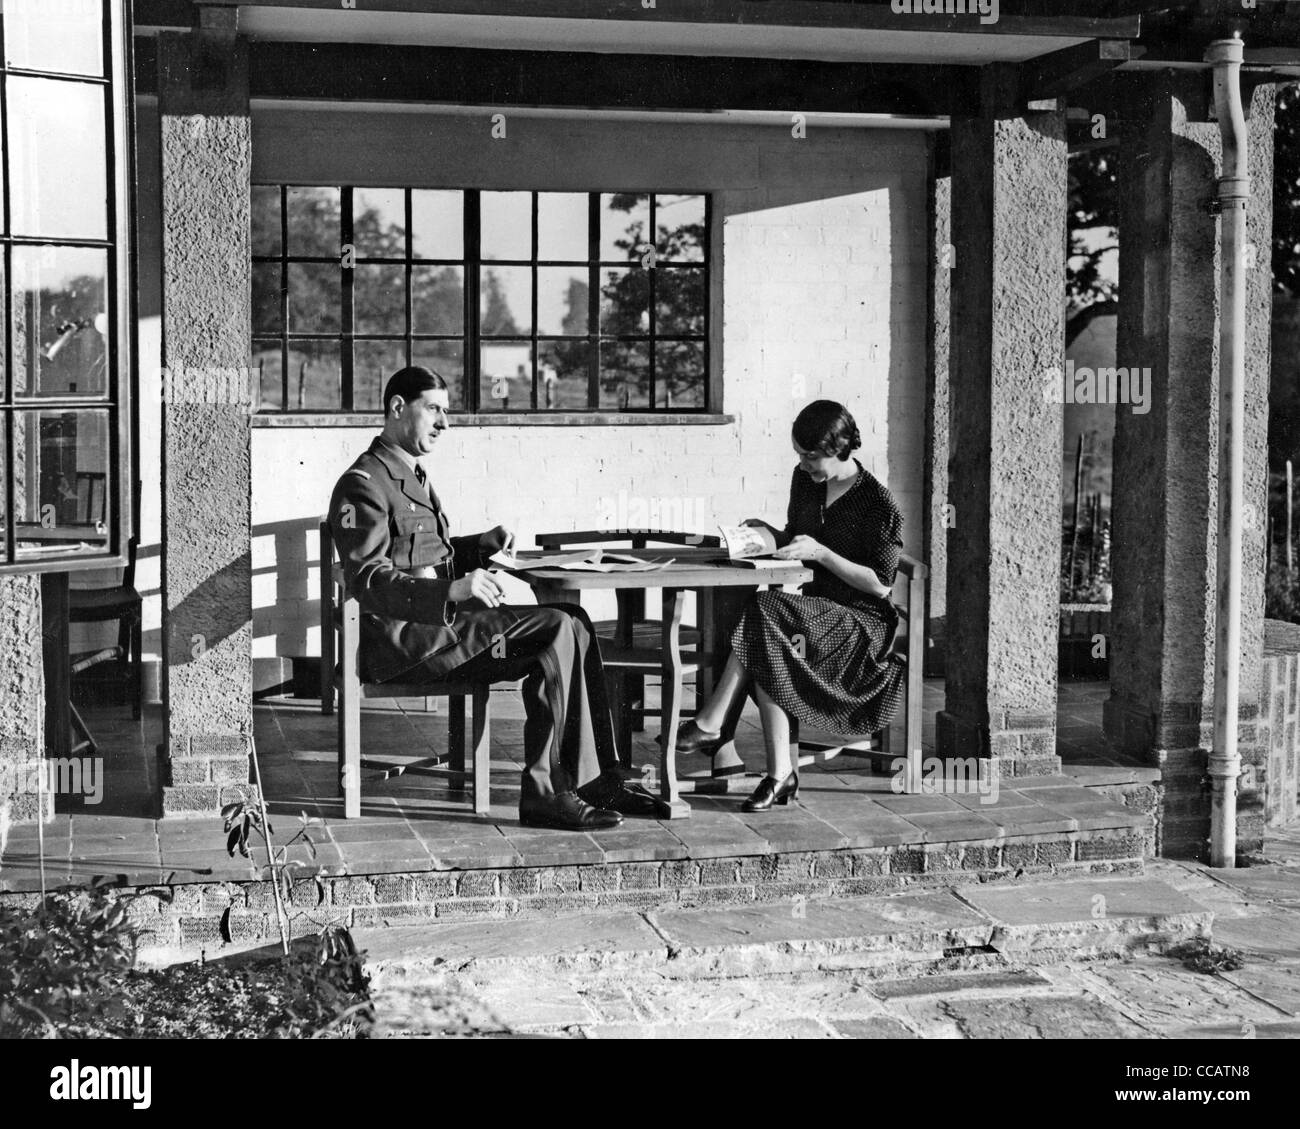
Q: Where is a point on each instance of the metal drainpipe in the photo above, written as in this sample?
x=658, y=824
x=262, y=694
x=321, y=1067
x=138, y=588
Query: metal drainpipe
x=1225, y=56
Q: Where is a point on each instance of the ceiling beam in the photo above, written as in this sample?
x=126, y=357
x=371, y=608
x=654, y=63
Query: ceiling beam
x=1059, y=72
x=1086, y=18
x=470, y=76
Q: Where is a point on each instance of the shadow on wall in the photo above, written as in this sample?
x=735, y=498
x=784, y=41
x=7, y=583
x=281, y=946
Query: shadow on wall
x=291, y=606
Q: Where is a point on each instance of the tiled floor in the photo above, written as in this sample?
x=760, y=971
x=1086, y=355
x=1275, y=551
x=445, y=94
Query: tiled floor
x=414, y=823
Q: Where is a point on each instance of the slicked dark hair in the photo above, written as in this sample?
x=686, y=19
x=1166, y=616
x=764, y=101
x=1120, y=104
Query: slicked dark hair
x=409, y=382
x=827, y=427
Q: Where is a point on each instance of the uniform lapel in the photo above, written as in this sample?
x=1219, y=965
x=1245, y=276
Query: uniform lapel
x=402, y=475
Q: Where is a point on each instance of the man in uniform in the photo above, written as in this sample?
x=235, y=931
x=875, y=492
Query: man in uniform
x=432, y=611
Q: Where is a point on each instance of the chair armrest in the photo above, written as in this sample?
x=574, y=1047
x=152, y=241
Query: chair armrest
x=638, y=537
x=912, y=568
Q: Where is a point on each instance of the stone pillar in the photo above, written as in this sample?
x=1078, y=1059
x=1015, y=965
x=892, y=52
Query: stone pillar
x=1165, y=472
x=938, y=512
x=22, y=698
x=1003, y=597
x=205, y=133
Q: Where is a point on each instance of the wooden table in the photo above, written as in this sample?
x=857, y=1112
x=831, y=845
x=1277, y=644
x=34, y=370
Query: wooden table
x=703, y=571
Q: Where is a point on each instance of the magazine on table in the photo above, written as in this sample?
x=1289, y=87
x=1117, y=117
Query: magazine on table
x=583, y=560
x=751, y=546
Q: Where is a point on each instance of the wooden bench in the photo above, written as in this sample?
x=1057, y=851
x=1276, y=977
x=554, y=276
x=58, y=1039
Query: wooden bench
x=340, y=621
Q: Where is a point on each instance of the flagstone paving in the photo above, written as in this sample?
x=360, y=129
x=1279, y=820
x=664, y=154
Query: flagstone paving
x=589, y=978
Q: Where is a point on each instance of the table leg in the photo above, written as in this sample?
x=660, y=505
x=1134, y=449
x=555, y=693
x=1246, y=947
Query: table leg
x=671, y=694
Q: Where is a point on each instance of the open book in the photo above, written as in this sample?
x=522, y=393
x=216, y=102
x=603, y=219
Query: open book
x=751, y=546
x=583, y=560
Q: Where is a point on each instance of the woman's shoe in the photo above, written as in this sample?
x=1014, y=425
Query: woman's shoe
x=770, y=792
x=692, y=739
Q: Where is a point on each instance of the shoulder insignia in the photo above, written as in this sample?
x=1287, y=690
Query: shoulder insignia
x=356, y=470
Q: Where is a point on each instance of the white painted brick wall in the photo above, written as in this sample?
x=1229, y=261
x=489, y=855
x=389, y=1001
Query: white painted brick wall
x=823, y=252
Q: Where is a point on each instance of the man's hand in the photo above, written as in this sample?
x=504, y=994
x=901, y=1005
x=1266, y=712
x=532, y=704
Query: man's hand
x=477, y=585
x=759, y=523
x=499, y=540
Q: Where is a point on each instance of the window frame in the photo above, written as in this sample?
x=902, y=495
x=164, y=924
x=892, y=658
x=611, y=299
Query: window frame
x=118, y=398
x=471, y=339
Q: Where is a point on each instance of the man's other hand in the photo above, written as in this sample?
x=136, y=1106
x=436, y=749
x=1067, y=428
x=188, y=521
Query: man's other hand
x=478, y=585
x=499, y=540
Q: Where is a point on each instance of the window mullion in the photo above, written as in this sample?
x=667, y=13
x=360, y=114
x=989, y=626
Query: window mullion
x=348, y=281
x=593, y=301
x=472, y=366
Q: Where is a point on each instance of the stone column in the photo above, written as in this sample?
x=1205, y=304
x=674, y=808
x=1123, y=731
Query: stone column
x=205, y=133
x=1166, y=489
x=1003, y=598
x=22, y=698
x=938, y=512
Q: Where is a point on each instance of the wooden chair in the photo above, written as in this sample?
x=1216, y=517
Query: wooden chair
x=911, y=646
x=630, y=645
x=120, y=603
x=341, y=636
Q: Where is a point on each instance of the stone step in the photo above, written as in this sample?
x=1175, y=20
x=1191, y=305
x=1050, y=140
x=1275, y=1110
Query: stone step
x=901, y=934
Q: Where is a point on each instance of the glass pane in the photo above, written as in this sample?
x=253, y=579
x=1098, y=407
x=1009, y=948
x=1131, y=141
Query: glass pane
x=625, y=301
x=315, y=295
x=61, y=482
x=679, y=300
x=562, y=295
x=562, y=375
x=60, y=321
x=624, y=224
x=379, y=299
x=373, y=362
x=379, y=223
x=447, y=359
x=267, y=363
x=506, y=301
x=67, y=36
x=438, y=219
x=267, y=317
x=679, y=374
x=679, y=228
x=506, y=377
x=624, y=374
x=562, y=222
x=4, y=471
x=506, y=220
x=57, y=180
x=438, y=299
x=314, y=229
x=266, y=219
x=315, y=376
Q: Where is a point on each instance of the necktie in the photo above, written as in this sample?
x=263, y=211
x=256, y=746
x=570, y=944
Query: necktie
x=420, y=476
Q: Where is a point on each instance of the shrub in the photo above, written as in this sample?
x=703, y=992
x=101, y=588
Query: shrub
x=62, y=964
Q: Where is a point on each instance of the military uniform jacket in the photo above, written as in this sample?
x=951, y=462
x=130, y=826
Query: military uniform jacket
x=399, y=561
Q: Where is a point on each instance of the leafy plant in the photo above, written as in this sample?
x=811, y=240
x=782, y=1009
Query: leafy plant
x=62, y=964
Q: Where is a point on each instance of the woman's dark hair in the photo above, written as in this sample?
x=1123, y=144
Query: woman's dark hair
x=409, y=382
x=827, y=427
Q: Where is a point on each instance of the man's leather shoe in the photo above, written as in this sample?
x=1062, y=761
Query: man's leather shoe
x=568, y=813
x=611, y=791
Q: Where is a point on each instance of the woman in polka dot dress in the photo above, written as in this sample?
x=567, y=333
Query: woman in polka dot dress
x=821, y=655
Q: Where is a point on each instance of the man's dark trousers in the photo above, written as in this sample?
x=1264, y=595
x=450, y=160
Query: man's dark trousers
x=568, y=734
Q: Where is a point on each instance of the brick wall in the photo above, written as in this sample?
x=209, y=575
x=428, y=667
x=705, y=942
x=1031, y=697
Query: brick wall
x=823, y=294
x=1280, y=722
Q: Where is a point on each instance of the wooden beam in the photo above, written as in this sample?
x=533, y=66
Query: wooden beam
x=470, y=76
x=1085, y=18
x=1059, y=72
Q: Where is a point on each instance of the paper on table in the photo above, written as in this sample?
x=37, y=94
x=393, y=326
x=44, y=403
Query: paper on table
x=588, y=560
